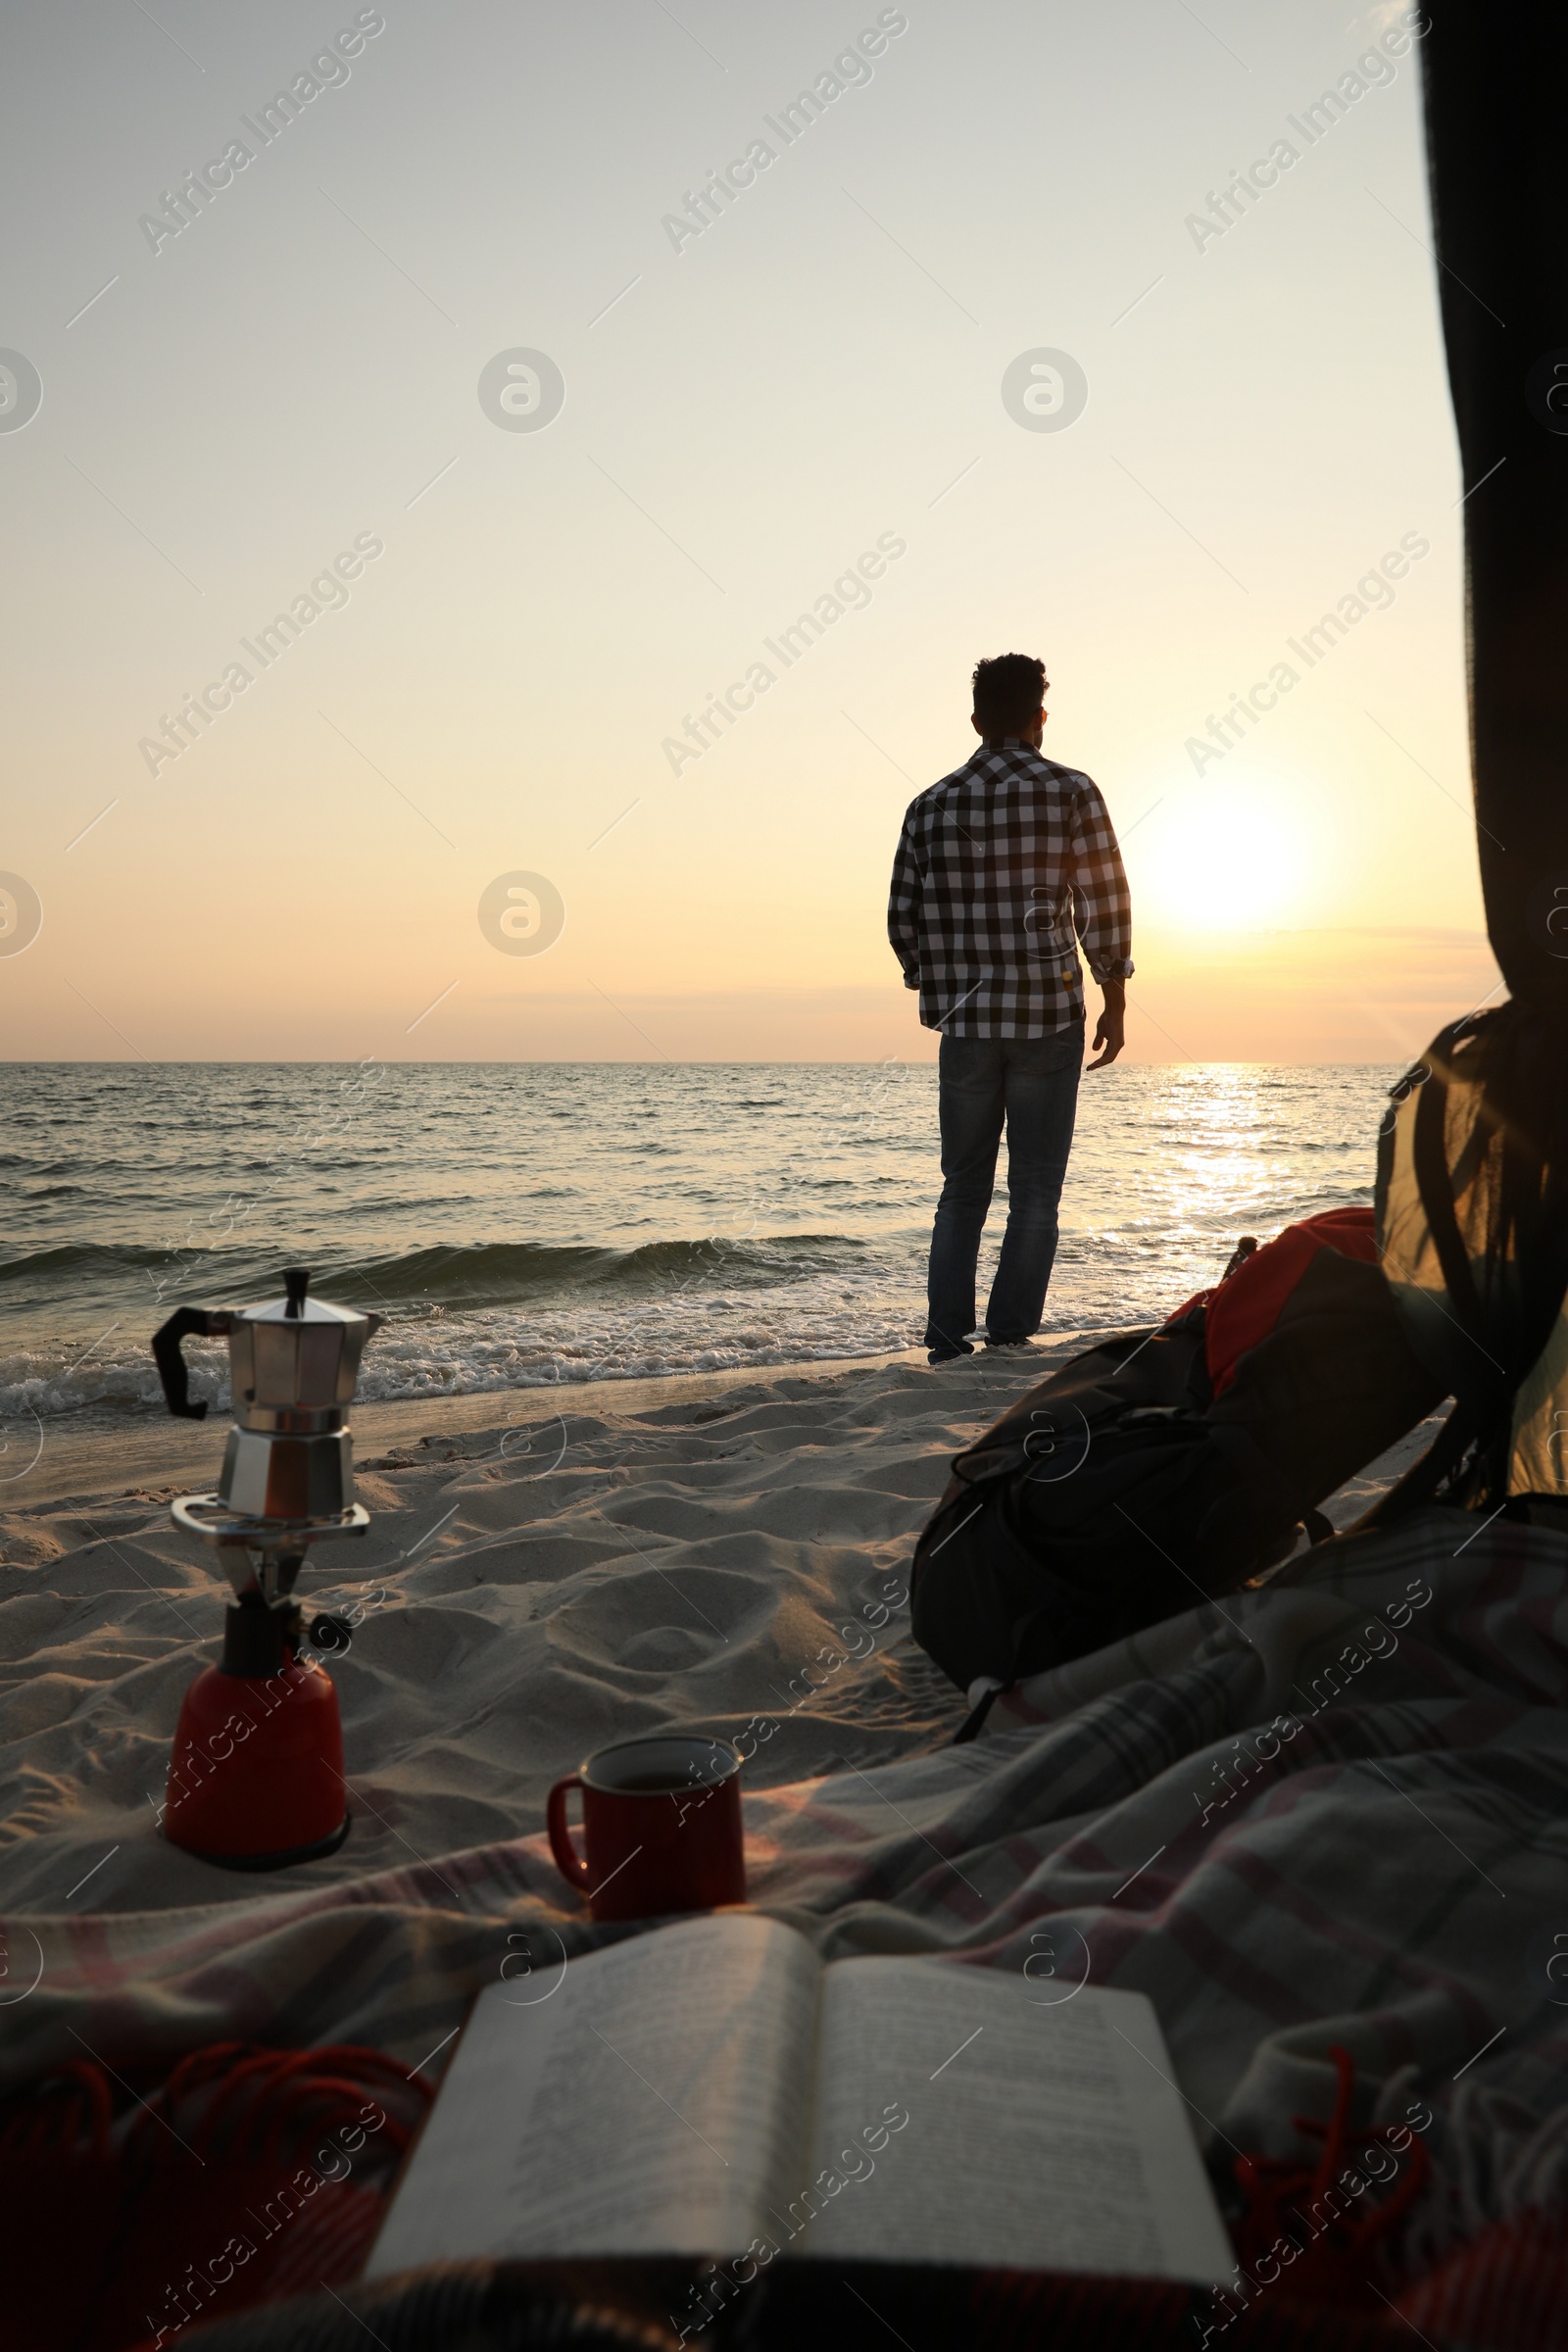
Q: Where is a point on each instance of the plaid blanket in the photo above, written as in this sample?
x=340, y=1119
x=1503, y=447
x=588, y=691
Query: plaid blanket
x=1331, y=1810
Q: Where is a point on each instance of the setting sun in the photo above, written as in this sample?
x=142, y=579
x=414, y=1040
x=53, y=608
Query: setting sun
x=1218, y=856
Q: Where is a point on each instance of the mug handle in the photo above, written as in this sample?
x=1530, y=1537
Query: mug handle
x=571, y=1865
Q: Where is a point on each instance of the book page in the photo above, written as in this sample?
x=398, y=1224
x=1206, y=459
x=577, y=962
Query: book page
x=961, y=2117
x=647, y=2106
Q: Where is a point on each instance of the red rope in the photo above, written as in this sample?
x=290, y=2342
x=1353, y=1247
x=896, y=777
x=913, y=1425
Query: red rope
x=43, y=2126
x=1331, y=2265
x=250, y=2095
x=216, y=2099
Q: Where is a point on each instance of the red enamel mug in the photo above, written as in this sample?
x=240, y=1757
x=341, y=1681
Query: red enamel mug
x=661, y=1824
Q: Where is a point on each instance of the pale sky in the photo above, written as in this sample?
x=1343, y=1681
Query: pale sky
x=523, y=620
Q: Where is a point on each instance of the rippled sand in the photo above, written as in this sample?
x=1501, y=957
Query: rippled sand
x=679, y=1552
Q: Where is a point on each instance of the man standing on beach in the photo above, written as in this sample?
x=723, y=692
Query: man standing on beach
x=1002, y=870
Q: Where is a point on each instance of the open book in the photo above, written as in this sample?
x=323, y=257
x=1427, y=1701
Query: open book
x=715, y=2090
x=712, y=2086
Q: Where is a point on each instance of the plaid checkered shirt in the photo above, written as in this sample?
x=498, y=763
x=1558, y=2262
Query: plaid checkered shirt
x=1002, y=869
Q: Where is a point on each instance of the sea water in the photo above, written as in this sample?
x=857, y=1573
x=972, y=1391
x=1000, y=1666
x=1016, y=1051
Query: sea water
x=523, y=1224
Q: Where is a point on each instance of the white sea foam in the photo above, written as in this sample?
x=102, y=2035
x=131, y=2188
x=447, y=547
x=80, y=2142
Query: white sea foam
x=450, y=1353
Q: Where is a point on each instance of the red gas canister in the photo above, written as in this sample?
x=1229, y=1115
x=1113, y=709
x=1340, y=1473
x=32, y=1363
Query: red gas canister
x=256, y=1775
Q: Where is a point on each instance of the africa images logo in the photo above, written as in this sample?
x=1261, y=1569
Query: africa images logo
x=1045, y=391
x=720, y=189
x=20, y=391
x=523, y=913
x=21, y=915
x=183, y=205
x=1545, y=390
x=522, y=391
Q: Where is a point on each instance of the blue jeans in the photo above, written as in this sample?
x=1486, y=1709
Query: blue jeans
x=1031, y=1083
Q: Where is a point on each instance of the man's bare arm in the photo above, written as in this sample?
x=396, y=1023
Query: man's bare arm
x=1111, y=1030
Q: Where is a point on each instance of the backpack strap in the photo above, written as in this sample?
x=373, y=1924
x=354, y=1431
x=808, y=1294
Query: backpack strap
x=1058, y=1596
x=974, y=1721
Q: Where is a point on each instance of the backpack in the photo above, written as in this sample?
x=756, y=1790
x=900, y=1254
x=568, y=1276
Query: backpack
x=1167, y=1465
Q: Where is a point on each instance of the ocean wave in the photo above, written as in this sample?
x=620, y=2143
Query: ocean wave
x=89, y=1258
x=501, y=1273
x=516, y=1228
x=460, y=1273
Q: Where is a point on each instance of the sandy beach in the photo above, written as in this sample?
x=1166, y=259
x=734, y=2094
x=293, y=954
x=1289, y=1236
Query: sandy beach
x=544, y=1571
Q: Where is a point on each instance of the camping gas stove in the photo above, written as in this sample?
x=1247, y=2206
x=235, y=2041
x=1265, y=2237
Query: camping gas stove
x=256, y=1776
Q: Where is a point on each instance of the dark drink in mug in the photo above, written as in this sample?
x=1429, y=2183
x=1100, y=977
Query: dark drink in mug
x=661, y=1826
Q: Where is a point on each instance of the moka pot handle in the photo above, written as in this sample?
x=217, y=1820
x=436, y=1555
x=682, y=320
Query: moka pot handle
x=184, y=1323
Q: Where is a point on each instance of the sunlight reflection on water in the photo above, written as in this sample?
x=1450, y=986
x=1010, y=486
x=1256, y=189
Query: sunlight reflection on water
x=525, y=1223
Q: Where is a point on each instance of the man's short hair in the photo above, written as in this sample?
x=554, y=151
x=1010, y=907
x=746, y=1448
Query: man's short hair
x=1008, y=692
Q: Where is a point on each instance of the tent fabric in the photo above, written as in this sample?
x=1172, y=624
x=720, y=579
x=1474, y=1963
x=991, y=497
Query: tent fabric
x=1497, y=113
x=1467, y=1348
